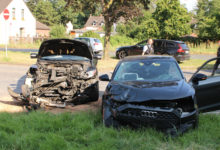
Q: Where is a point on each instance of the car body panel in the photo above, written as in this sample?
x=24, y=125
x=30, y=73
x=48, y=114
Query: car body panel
x=95, y=44
x=65, y=73
x=165, y=104
x=207, y=91
x=140, y=92
x=161, y=47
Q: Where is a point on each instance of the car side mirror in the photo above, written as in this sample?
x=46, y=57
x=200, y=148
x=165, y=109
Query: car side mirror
x=104, y=77
x=97, y=56
x=33, y=55
x=199, y=77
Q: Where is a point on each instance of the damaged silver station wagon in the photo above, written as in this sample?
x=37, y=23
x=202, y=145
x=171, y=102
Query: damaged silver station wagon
x=65, y=72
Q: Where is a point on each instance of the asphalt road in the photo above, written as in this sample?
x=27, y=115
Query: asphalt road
x=19, y=50
x=14, y=75
x=11, y=75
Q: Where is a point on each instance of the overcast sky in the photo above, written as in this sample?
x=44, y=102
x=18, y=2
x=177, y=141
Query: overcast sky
x=190, y=4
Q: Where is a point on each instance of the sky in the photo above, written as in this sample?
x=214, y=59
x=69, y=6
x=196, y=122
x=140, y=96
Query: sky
x=190, y=4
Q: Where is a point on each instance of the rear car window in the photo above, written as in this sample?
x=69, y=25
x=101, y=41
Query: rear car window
x=169, y=44
x=97, y=40
x=143, y=43
x=184, y=46
x=84, y=39
x=158, y=43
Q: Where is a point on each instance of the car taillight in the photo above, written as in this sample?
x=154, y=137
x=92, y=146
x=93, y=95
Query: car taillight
x=96, y=43
x=180, y=50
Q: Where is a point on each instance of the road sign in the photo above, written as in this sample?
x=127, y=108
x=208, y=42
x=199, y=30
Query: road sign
x=6, y=14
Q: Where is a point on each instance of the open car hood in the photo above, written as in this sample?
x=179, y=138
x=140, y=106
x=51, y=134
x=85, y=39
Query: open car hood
x=64, y=47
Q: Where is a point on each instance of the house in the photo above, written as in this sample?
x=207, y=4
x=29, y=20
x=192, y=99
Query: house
x=94, y=23
x=42, y=30
x=21, y=22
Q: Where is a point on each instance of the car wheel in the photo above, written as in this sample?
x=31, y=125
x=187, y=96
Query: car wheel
x=196, y=123
x=108, y=119
x=122, y=54
x=94, y=96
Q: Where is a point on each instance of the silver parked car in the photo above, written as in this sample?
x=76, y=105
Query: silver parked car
x=96, y=44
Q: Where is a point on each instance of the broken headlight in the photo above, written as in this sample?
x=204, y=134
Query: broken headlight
x=91, y=73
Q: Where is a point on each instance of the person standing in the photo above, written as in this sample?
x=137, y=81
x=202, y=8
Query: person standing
x=217, y=61
x=148, y=48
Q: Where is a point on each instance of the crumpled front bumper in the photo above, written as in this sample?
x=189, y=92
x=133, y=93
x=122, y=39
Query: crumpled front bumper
x=162, y=118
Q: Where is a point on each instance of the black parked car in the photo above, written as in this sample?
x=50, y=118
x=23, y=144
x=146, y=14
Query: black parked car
x=151, y=90
x=178, y=49
x=65, y=72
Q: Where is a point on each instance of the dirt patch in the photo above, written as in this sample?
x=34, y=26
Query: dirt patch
x=7, y=104
x=92, y=106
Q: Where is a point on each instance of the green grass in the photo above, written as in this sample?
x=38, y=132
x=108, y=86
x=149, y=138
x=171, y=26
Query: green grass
x=191, y=64
x=21, y=58
x=202, y=49
x=24, y=45
x=39, y=130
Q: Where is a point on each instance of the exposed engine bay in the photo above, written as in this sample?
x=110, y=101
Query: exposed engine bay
x=60, y=78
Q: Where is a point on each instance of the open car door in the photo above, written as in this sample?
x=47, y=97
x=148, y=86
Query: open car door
x=206, y=82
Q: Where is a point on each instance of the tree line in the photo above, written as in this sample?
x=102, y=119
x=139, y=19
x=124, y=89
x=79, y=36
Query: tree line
x=143, y=18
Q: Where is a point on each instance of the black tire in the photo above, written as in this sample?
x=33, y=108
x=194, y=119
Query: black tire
x=94, y=95
x=196, y=123
x=122, y=54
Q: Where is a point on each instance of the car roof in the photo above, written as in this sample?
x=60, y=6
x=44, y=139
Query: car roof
x=168, y=40
x=158, y=57
x=85, y=38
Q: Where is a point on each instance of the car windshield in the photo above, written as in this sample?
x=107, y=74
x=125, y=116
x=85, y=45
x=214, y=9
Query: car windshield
x=148, y=70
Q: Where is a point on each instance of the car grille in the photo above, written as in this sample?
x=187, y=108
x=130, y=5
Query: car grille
x=146, y=115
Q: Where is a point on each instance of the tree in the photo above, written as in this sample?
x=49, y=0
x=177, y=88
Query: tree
x=58, y=31
x=172, y=19
x=46, y=14
x=208, y=16
x=52, y=12
x=112, y=10
x=90, y=34
x=32, y=4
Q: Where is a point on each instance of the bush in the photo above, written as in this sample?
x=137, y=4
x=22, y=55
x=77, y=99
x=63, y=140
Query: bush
x=91, y=34
x=58, y=31
x=121, y=40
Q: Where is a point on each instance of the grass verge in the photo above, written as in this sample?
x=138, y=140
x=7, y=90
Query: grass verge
x=191, y=64
x=39, y=130
x=21, y=58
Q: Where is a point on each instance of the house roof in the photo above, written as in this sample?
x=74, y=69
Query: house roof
x=41, y=26
x=95, y=21
x=4, y=4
